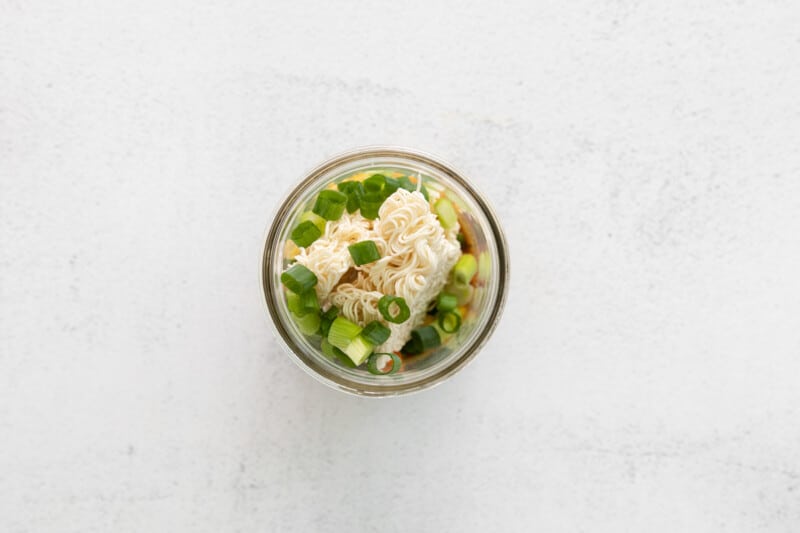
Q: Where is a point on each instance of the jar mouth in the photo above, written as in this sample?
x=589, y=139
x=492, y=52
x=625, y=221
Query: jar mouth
x=349, y=382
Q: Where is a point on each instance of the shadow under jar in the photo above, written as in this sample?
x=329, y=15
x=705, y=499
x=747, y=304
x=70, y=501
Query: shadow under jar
x=481, y=236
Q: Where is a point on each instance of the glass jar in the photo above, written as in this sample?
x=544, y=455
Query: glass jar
x=484, y=238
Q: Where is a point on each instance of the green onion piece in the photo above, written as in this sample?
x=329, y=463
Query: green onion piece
x=461, y=239
x=446, y=212
x=484, y=266
x=302, y=304
x=364, y=252
x=390, y=187
x=377, y=363
x=375, y=332
x=332, y=352
x=406, y=183
x=375, y=183
x=298, y=278
x=394, y=309
x=294, y=303
x=465, y=268
x=370, y=204
x=463, y=292
x=330, y=204
x=342, y=358
x=424, y=193
x=308, y=324
x=358, y=350
x=446, y=302
x=331, y=313
x=327, y=319
x=422, y=339
x=305, y=233
x=354, y=191
x=342, y=332
x=316, y=219
x=326, y=348
x=449, y=321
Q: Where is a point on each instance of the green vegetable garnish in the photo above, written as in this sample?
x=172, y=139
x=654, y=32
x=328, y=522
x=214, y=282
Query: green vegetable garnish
x=377, y=363
x=394, y=309
x=305, y=233
x=364, y=252
x=446, y=212
x=308, y=324
x=342, y=332
x=449, y=321
x=422, y=339
x=370, y=204
x=375, y=332
x=465, y=268
x=330, y=204
x=446, y=302
x=298, y=278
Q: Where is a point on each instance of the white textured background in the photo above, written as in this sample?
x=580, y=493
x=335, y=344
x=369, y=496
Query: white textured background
x=644, y=158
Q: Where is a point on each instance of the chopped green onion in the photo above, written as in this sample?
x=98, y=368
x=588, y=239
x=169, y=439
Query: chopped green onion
x=461, y=239
x=308, y=324
x=364, y=252
x=342, y=332
x=446, y=213
x=446, y=302
x=298, y=278
x=390, y=187
x=332, y=352
x=377, y=363
x=305, y=233
x=327, y=319
x=375, y=183
x=422, y=339
x=342, y=357
x=358, y=350
x=484, y=266
x=375, y=332
x=316, y=219
x=465, y=268
x=463, y=292
x=326, y=348
x=370, y=204
x=294, y=303
x=406, y=183
x=302, y=304
x=394, y=309
x=380, y=184
x=330, y=204
x=354, y=191
x=449, y=321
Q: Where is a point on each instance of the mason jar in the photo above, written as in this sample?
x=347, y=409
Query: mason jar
x=484, y=239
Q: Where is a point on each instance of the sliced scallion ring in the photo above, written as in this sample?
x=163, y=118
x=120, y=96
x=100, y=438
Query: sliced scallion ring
x=394, y=309
x=377, y=363
x=449, y=321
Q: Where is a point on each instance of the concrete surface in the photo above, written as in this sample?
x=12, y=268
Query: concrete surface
x=643, y=156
